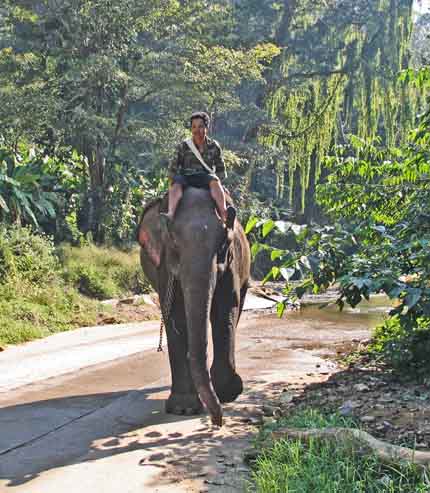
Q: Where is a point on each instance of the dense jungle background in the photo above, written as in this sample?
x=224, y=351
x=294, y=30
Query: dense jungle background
x=321, y=109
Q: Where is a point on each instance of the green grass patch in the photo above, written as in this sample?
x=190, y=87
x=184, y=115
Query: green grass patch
x=29, y=311
x=289, y=466
x=103, y=273
x=312, y=418
x=44, y=290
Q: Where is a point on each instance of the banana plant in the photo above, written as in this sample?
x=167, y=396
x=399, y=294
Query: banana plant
x=25, y=197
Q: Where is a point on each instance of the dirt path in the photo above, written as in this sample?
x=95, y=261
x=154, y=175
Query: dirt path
x=116, y=436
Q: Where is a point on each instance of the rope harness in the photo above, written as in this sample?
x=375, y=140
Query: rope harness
x=166, y=308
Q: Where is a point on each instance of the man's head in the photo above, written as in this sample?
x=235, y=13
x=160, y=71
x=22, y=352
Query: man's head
x=199, y=125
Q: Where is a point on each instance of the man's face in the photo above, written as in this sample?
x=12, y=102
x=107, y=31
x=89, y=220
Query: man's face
x=198, y=129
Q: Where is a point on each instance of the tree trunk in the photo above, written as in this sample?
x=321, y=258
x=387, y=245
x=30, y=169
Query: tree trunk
x=96, y=195
x=289, y=11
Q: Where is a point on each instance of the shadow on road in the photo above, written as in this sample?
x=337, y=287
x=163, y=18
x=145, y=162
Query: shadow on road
x=51, y=434
x=42, y=435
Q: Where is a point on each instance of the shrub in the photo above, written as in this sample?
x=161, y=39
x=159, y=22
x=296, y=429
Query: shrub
x=34, y=299
x=28, y=311
x=401, y=347
x=92, y=282
x=103, y=272
x=27, y=256
x=40, y=296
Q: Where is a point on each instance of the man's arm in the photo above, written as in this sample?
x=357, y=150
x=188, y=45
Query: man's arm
x=220, y=165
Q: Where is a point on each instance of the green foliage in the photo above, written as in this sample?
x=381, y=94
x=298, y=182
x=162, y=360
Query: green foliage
x=116, y=81
x=378, y=199
x=417, y=77
x=27, y=257
x=103, y=273
x=293, y=466
x=39, y=284
x=154, y=186
x=124, y=195
x=28, y=311
x=34, y=300
x=337, y=75
x=404, y=348
x=252, y=182
x=25, y=187
x=289, y=465
x=278, y=253
x=313, y=418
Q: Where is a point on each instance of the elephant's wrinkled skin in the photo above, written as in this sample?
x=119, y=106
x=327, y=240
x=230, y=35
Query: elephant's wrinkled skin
x=204, y=290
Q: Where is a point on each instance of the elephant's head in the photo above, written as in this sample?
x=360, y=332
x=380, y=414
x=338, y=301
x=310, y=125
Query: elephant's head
x=191, y=248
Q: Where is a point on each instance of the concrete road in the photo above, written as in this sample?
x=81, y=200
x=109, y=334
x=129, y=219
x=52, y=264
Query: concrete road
x=83, y=411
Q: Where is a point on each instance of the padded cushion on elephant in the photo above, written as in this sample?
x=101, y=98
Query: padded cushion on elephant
x=163, y=202
x=149, y=236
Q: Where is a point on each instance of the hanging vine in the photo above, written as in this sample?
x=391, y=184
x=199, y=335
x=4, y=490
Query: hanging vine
x=338, y=74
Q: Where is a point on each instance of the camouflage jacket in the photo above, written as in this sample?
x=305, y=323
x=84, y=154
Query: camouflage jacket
x=186, y=162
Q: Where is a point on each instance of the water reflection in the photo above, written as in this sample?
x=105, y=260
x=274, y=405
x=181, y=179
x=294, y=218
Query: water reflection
x=367, y=314
x=421, y=6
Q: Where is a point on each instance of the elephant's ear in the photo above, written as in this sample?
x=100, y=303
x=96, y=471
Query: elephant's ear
x=149, y=234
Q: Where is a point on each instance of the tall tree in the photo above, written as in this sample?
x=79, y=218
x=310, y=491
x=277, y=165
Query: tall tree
x=110, y=78
x=337, y=75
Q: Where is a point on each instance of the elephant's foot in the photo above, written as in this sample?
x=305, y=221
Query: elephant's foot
x=187, y=404
x=228, y=385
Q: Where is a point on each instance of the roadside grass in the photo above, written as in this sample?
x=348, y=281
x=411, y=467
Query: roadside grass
x=289, y=466
x=29, y=311
x=101, y=272
x=44, y=289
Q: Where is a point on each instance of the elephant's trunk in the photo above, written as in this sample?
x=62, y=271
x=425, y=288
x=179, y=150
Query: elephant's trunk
x=198, y=294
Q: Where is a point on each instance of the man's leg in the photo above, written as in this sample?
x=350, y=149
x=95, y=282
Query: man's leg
x=175, y=195
x=217, y=193
x=228, y=214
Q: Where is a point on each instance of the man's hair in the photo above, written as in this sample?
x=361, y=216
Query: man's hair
x=204, y=116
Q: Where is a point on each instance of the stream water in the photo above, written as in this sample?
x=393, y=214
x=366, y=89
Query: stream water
x=367, y=314
x=421, y=6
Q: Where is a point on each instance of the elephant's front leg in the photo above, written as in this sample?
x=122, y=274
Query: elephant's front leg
x=183, y=398
x=224, y=317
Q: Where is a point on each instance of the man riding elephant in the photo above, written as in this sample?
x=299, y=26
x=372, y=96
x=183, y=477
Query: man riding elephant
x=199, y=164
x=200, y=267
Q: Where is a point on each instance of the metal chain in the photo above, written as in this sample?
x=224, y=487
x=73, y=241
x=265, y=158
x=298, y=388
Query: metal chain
x=166, y=309
x=160, y=344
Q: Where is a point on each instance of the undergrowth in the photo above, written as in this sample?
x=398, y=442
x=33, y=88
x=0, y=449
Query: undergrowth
x=44, y=290
x=404, y=348
x=289, y=466
x=103, y=273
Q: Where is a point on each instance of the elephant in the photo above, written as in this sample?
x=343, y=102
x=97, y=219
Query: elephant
x=200, y=270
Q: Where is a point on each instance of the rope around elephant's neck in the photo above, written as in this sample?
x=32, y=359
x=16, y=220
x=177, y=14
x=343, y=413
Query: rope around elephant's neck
x=166, y=308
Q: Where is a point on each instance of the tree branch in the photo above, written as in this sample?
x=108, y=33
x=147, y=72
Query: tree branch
x=386, y=452
x=309, y=75
x=320, y=112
